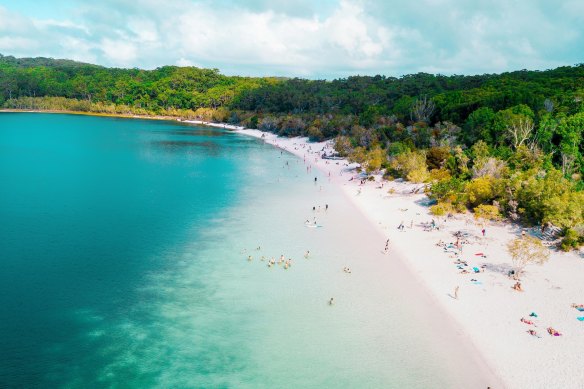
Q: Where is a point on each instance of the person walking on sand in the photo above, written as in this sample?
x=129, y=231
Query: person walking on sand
x=456, y=292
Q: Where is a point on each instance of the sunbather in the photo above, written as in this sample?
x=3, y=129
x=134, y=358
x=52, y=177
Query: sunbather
x=533, y=333
x=529, y=322
x=553, y=332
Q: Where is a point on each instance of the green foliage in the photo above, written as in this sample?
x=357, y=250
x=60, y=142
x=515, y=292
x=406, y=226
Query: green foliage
x=441, y=209
x=450, y=190
x=410, y=165
x=397, y=148
x=572, y=240
x=436, y=157
x=564, y=210
x=487, y=212
x=483, y=190
x=479, y=126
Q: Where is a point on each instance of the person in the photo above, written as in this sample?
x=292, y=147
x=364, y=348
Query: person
x=483, y=231
x=517, y=286
x=314, y=179
x=456, y=292
x=326, y=207
x=331, y=301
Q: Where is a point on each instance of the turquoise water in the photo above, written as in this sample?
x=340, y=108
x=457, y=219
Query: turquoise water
x=124, y=247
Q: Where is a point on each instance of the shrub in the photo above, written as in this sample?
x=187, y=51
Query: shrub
x=441, y=209
x=487, y=212
x=571, y=240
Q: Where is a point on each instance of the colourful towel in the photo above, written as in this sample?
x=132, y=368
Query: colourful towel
x=580, y=309
x=533, y=314
x=581, y=318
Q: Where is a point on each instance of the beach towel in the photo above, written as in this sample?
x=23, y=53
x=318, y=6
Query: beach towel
x=581, y=318
x=580, y=309
x=476, y=269
x=533, y=314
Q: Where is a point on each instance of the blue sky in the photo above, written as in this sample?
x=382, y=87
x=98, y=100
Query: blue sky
x=312, y=39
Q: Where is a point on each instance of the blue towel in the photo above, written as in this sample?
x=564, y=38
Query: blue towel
x=533, y=314
x=580, y=309
x=580, y=318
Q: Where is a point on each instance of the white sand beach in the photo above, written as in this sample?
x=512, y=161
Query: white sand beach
x=487, y=311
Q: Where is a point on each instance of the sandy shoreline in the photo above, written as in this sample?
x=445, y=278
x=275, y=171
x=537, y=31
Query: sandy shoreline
x=487, y=310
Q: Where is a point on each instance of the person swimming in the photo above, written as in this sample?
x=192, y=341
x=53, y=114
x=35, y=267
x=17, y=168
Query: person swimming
x=331, y=301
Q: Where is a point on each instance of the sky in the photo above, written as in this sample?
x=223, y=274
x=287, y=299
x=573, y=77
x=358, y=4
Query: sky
x=304, y=38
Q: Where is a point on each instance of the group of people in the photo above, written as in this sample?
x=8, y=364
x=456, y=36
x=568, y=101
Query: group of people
x=285, y=262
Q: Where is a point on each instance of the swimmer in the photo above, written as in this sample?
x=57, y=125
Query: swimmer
x=331, y=301
x=249, y=257
x=307, y=254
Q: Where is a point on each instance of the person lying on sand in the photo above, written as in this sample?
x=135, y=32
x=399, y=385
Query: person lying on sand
x=533, y=333
x=579, y=307
x=553, y=332
x=526, y=321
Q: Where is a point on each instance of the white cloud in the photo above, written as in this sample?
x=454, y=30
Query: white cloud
x=119, y=52
x=328, y=39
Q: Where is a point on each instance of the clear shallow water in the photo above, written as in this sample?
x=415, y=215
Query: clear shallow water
x=124, y=249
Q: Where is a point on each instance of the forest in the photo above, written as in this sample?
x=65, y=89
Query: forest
x=500, y=145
